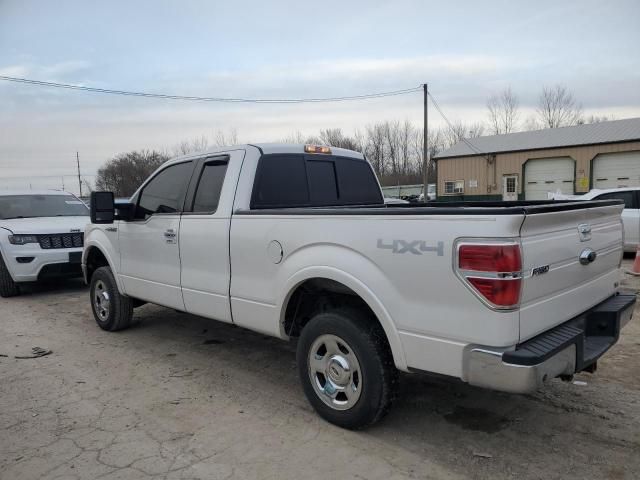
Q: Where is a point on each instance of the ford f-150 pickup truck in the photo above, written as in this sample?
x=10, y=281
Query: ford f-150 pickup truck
x=296, y=241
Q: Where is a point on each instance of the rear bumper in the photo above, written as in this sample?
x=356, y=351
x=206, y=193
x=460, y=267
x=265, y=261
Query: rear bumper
x=564, y=350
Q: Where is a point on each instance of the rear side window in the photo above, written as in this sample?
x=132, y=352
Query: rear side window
x=166, y=191
x=281, y=181
x=313, y=181
x=627, y=197
x=357, y=183
x=209, y=187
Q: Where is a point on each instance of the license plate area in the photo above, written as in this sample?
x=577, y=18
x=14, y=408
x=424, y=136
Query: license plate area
x=75, y=257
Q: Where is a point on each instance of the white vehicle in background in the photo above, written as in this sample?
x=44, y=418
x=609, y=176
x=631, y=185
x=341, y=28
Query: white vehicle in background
x=431, y=193
x=296, y=241
x=630, y=214
x=41, y=236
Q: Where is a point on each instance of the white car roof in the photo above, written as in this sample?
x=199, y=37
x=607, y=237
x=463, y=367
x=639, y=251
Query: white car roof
x=596, y=191
x=4, y=193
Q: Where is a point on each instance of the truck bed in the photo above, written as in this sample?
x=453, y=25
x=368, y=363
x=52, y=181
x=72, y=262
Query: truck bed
x=526, y=207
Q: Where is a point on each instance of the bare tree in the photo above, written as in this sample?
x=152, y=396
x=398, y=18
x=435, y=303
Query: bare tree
x=195, y=145
x=375, y=148
x=503, y=112
x=531, y=123
x=124, y=173
x=557, y=107
x=222, y=139
x=459, y=131
x=599, y=118
x=334, y=137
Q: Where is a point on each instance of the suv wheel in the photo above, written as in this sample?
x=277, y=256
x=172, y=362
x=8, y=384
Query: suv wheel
x=346, y=368
x=8, y=288
x=111, y=310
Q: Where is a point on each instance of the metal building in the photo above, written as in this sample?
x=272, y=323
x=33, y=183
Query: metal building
x=528, y=165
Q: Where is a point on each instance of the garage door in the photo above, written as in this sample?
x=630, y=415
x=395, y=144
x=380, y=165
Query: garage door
x=614, y=170
x=548, y=175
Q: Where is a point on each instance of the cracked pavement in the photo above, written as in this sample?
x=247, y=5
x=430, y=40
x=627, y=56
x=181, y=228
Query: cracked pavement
x=181, y=397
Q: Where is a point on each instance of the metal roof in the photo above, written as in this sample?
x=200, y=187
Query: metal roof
x=589, y=134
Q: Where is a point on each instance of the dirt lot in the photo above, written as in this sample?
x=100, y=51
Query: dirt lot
x=178, y=396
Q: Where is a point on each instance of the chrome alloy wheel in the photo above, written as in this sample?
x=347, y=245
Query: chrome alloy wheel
x=335, y=372
x=101, y=301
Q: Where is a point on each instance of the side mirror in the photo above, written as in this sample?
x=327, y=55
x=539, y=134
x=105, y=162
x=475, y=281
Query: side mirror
x=102, y=207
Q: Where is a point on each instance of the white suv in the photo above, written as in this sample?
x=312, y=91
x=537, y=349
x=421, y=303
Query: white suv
x=630, y=214
x=41, y=236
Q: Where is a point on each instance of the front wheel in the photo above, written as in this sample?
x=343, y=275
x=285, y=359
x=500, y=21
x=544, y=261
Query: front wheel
x=111, y=310
x=346, y=368
x=8, y=288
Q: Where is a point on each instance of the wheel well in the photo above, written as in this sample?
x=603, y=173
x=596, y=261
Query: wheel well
x=318, y=295
x=95, y=260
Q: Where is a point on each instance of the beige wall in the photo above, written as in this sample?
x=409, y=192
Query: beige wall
x=478, y=168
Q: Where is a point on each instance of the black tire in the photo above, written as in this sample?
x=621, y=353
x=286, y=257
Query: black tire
x=8, y=288
x=119, y=308
x=377, y=378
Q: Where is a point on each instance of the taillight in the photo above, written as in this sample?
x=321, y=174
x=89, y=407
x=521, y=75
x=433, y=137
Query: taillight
x=493, y=271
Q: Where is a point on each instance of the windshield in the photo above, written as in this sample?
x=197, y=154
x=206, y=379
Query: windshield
x=28, y=206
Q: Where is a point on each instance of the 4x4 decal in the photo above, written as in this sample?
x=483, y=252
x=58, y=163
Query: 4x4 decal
x=415, y=247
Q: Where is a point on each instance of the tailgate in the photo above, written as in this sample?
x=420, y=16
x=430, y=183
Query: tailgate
x=557, y=285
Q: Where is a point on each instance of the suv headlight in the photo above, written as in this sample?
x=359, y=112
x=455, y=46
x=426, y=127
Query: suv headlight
x=22, y=239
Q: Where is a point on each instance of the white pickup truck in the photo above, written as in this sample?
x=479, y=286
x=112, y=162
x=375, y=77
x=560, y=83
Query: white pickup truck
x=296, y=241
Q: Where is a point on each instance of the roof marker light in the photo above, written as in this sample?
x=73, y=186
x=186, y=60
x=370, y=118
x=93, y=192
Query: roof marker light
x=317, y=149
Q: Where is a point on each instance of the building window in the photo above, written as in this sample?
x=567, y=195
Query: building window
x=454, y=187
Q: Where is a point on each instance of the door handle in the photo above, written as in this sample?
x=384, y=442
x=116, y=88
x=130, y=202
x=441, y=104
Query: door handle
x=170, y=235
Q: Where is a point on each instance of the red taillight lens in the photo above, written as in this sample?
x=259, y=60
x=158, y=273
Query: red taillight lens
x=502, y=293
x=490, y=258
x=502, y=266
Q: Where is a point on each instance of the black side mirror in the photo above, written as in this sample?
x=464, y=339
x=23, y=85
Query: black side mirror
x=102, y=207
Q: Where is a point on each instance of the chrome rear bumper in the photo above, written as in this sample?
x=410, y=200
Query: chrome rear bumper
x=569, y=348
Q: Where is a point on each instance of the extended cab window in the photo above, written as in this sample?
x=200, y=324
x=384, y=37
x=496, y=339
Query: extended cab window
x=166, y=191
x=627, y=197
x=210, y=186
x=284, y=181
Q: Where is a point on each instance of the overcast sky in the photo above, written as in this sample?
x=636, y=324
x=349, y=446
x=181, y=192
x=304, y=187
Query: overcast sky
x=464, y=50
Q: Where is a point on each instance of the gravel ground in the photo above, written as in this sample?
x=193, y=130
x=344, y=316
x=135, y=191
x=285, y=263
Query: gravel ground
x=178, y=396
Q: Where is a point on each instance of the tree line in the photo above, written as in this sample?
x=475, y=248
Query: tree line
x=394, y=147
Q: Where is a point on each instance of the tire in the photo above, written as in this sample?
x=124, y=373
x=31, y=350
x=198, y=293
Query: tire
x=8, y=288
x=349, y=351
x=111, y=310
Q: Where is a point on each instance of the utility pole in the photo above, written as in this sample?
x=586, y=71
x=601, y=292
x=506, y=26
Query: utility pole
x=62, y=183
x=79, y=181
x=425, y=142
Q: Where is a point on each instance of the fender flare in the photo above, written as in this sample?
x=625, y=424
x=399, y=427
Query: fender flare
x=94, y=243
x=362, y=290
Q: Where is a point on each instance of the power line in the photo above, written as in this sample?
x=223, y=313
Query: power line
x=466, y=142
x=83, y=88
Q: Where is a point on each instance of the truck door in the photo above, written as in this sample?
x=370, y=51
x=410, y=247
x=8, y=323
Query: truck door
x=149, y=244
x=204, y=236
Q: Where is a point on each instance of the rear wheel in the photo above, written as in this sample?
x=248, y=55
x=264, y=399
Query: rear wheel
x=8, y=288
x=111, y=310
x=346, y=368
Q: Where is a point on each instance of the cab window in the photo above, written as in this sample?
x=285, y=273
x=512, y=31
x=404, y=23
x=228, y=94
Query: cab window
x=209, y=187
x=166, y=191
